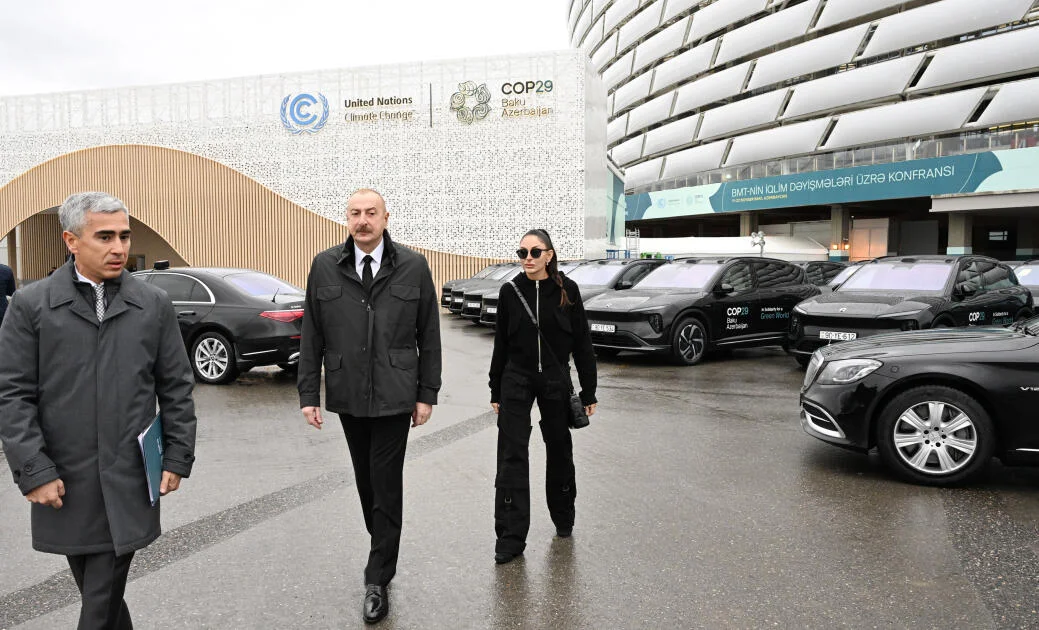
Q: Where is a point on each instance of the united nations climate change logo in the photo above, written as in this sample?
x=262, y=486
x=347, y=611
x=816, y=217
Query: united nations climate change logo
x=470, y=92
x=297, y=116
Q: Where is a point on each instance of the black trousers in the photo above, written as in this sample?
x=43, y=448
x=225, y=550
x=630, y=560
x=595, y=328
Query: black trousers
x=377, y=447
x=519, y=390
x=101, y=578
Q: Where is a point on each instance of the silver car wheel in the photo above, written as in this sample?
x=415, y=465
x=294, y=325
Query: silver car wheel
x=211, y=358
x=935, y=438
x=691, y=342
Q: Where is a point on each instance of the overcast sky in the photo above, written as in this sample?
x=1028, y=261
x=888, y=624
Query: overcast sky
x=60, y=45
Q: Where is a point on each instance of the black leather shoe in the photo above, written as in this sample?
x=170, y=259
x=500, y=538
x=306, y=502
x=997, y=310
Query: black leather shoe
x=376, y=603
x=565, y=532
x=503, y=557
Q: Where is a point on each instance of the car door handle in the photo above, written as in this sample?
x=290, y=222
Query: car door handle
x=185, y=313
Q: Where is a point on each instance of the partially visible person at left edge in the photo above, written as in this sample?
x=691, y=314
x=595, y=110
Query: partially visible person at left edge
x=88, y=354
x=6, y=288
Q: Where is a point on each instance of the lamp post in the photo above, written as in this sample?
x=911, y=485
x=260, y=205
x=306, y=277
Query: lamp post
x=758, y=238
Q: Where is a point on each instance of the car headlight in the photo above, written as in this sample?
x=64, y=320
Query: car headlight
x=843, y=371
x=900, y=314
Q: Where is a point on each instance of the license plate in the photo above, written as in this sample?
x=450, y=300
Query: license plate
x=492, y=310
x=603, y=328
x=472, y=305
x=837, y=336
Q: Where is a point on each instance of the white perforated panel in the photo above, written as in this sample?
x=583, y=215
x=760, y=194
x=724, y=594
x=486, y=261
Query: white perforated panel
x=671, y=135
x=941, y=20
x=768, y=31
x=635, y=90
x=1016, y=51
x=660, y=44
x=651, y=112
x=606, y=52
x=616, y=129
x=925, y=116
x=838, y=11
x=1015, y=102
x=618, y=11
x=711, y=88
x=627, y=151
x=826, y=52
x=774, y=143
x=696, y=160
x=870, y=83
x=687, y=64
x=642, y=174
x=717, y=16
x=744, y=114
x=643, y=22
x=618, y=71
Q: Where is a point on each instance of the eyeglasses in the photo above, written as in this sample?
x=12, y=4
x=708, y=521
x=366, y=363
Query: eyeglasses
x=535, y=252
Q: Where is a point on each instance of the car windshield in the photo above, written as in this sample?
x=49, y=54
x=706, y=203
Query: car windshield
x=1028, y=275
x=843, y=275
x=486, y=271
x=899, y=276
x=264, y=286
x=680, y=276
x=502, y=272
x=595, y=275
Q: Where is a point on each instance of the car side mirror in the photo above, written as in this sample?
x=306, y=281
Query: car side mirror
x=724, y=289
x=963, y=291
x=624, y=284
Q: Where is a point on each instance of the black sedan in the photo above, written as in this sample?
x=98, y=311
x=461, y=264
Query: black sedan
x=233, y=319
x=909, y=293
x=691, y=306
x=937, y=404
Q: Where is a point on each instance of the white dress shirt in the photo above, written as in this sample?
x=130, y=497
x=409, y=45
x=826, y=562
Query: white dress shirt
x=376, y=259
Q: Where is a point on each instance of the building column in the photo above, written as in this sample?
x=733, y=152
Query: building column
x=894, y=235
x=748, y=223
x=961, y=234
x=840, y=233
x=1027, y=239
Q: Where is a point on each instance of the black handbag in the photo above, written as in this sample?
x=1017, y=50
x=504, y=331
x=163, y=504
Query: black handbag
x=576, y=416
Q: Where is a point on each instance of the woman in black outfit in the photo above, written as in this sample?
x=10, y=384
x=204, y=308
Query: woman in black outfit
x=522, y=371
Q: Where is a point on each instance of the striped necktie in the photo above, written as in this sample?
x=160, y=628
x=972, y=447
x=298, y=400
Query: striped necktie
x=99, y=301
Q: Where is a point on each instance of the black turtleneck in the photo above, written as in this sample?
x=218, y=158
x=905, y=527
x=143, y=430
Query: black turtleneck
x=565, y=329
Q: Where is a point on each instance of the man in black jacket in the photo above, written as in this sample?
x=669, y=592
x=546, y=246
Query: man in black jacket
x=371, y=317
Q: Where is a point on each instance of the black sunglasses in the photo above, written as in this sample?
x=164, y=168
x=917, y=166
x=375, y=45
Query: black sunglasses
x=535, y=252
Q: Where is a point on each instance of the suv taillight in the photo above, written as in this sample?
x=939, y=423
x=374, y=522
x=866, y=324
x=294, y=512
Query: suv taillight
x=284, y=316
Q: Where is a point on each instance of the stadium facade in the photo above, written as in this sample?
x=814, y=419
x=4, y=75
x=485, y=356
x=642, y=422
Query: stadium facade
x=255, y=172
x=874, y=126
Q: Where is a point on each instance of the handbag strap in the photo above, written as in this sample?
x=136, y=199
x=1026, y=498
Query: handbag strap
x=526, y=306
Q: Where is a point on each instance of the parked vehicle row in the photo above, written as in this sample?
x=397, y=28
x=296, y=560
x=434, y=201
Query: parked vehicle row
x=910, y=293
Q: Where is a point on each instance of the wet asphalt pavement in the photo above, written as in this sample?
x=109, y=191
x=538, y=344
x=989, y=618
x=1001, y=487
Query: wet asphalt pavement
x=701, y=504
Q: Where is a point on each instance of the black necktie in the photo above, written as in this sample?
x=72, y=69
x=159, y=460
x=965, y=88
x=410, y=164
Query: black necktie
x=366, y=276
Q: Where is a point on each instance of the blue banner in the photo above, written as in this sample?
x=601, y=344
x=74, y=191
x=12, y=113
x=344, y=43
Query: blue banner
x=976, y=172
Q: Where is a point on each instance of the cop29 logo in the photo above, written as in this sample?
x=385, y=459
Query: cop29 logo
x=298, y=115
x=467, y=93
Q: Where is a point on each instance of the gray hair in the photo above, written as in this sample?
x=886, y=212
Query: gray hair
x=73, y=213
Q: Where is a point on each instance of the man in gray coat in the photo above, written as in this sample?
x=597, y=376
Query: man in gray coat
x=372, y=318
x=87, y=354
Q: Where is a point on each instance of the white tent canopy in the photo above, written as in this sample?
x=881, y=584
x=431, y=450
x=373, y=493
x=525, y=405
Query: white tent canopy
x=798, y=248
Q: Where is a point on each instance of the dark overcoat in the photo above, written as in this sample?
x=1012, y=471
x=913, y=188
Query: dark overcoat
x=74, y=395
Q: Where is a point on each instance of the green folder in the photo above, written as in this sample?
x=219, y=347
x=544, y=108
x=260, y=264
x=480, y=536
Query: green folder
x=151, y=450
